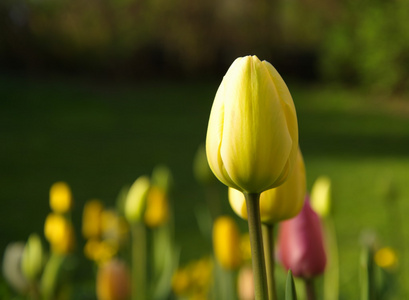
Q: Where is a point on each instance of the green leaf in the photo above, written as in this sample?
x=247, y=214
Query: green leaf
x=290, y=292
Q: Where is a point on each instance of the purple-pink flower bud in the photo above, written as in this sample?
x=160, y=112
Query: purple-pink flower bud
x=301, y=245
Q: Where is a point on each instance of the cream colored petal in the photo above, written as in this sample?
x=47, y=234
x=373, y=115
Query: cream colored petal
x=214, y=138
x=289, y=110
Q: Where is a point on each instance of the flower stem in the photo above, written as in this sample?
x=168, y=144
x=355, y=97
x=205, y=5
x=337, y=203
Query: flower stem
x=310, y=289
x=268, y=237
x=256, y=241
x=138, y=261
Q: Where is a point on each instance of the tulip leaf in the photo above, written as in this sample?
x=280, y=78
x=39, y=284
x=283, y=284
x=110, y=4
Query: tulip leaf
x=290, y=292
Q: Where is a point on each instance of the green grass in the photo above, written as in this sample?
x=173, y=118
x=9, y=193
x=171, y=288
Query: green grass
x=101, y=136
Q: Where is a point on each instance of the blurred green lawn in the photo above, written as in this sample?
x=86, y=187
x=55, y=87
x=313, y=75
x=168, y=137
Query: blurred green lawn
x=101, y=136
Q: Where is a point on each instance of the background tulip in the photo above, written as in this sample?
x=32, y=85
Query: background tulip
x=226, y=242
x=136, y=198
x=60, y=197
x=276, y=204
x=33, y=259
x=301, y=246
x=252, y=136
x=60, y=233
x=91, y=219
x=321, y=196
x=11, y=267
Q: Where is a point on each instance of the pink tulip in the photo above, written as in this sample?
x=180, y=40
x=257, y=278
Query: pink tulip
x=300, y=244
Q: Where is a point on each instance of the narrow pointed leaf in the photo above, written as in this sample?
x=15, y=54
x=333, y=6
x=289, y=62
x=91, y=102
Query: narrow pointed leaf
x=290, y=292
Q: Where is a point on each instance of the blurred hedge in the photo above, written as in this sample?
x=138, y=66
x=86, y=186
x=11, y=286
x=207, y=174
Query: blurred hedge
x=361, y=42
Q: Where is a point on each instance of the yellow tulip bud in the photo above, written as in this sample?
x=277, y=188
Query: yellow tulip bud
x=113, y=281
x=60, y=233
x=33, y=259
x=157, y=208
x=252, y=136
x=226, y=242
x=280, y=203
x=60, y=197
x=91, y=219
x=136, y=198
x=321, y=196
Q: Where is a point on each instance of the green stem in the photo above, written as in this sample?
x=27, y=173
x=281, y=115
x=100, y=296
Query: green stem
x=331, y=275
x=138, y=261
x=256, y=241
x=268, y=237
x=310, y=289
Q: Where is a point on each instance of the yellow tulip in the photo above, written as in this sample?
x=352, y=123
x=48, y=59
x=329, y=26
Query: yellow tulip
x=60, y=233
x=226, y=242
x=136, y=198
x=157, y=208
x=91, y=219
x=321, y=196
x=280, y=203
x=252, y=136
x=60, y=197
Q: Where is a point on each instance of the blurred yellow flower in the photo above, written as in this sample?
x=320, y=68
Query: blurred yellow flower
x=181, y=282
x=136, y=198
x=113, y=281
x=100, y=251
x=60, y=197
x=91, y=219
x=226, y=242
x=386, y=258
x=60, y=233
x=321, y=196
x=194, y=280
x=157, y=208
x=252, y=135
x=281, y=203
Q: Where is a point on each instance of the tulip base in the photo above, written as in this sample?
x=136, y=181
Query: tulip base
x=256, y=242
